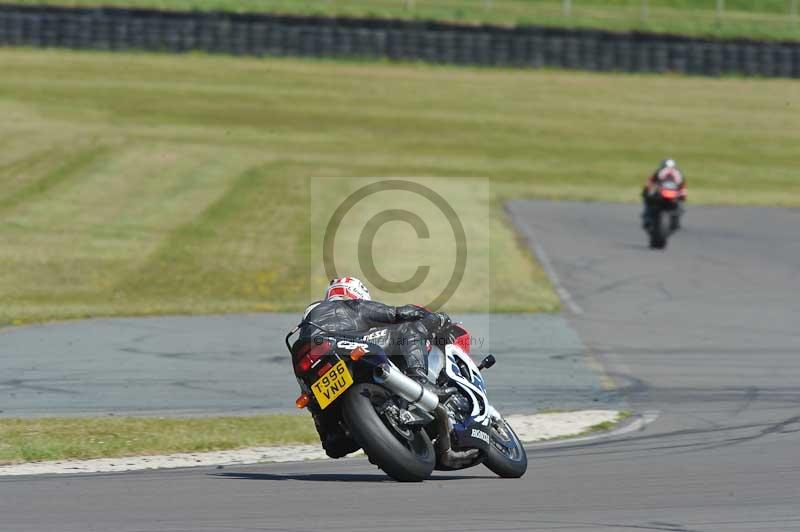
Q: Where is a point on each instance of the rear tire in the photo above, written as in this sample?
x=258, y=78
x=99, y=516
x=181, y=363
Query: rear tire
x=401, y=459
x=506, y=456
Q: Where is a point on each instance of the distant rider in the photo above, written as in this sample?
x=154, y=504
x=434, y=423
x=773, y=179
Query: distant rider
x=667, y=171
x=348, y=310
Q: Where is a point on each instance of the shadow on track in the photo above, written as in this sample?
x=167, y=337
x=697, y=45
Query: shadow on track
x=637, y=247
x=332, y=477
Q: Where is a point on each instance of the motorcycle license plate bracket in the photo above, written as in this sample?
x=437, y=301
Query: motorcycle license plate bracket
x=332, y=384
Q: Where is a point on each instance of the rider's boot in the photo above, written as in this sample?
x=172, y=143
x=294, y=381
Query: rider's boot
x=335, y=442
x=420, y=375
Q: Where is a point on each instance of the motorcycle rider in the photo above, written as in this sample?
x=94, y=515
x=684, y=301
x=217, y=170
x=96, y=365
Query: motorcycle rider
x=667, y=171
x=348, y=310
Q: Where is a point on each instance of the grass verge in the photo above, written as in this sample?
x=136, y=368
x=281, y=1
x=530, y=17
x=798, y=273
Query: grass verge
x=35, y=440
x=770, y=19
x=605, y=426
x=30, y=440
x=159, y=184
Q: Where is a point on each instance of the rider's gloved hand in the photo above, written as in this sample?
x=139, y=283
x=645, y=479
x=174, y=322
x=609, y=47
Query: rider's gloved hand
x=444, y=321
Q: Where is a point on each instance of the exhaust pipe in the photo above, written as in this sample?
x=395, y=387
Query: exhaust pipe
x=410, y=390
x=448, y=457
x=413, y=392
x=444, y=426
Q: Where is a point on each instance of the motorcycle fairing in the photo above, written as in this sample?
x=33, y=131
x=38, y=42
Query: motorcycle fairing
x=472, y=384
x=471, y=434
x=474, y=431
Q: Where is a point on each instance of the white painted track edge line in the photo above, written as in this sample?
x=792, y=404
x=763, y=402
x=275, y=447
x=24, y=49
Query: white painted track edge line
x=547, y=265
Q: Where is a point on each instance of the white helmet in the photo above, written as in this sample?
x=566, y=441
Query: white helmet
x=346, y=288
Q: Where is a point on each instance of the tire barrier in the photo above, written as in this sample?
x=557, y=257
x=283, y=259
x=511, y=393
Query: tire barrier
x=262, y=34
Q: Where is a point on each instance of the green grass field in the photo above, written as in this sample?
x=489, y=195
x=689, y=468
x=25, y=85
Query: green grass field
x=770, y=19
x=147, y=184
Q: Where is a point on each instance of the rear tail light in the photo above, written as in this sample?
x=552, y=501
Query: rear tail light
x=308, y=357
x=304, y=364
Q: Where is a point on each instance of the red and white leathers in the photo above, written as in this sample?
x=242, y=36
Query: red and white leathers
x=667, y=172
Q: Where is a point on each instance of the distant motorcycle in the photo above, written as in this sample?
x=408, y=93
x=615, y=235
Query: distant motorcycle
x=663, y=216
x=404, y=428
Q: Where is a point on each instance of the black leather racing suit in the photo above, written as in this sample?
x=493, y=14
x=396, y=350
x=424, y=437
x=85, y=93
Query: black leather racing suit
x=408, y=327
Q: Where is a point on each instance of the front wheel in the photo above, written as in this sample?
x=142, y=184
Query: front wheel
x=674, y=222
x=506, y=456
x=404, y=453
x=658, y=235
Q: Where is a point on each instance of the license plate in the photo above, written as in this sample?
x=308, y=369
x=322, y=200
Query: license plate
x=332, y=384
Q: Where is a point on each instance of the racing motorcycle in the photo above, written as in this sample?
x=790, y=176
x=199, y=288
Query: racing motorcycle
x=663, y=213
x=404, y=428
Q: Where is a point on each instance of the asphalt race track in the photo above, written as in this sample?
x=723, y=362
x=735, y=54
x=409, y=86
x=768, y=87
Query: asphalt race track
x=704, y=333
x=237, y=364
